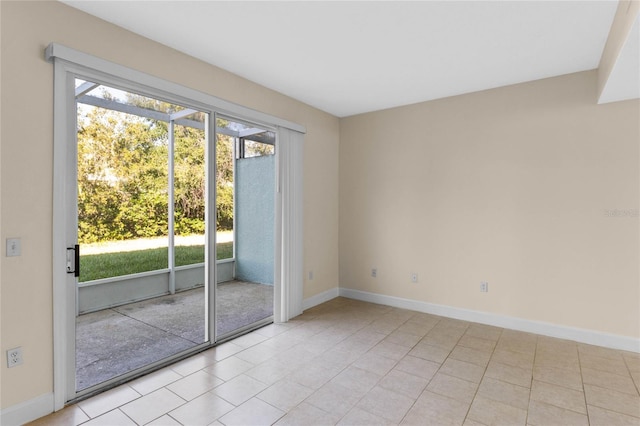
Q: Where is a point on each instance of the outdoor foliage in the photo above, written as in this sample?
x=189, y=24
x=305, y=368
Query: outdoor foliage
x=224, y=179
x=123, y=176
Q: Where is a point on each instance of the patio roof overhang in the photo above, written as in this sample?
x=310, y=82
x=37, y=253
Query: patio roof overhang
x=178, y=117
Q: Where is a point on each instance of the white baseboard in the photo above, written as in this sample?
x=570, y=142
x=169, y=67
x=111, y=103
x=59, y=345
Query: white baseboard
x=590, y=337
x=27, y=411
x=325, y=296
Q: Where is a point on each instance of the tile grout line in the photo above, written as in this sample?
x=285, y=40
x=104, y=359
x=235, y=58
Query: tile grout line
x=296, y=345
x=584, y=391
x=382, y=377
x=482, y=378
x=351, y=363
x=438, y=370
x=407, y=354
x=633, y=380
x=533, y=366
x=608, y=389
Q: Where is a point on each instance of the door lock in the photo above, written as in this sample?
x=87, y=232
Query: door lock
x=73, y=260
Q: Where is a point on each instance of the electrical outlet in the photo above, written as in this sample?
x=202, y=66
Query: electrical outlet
x=310, y=275
x=374, y=272
x=484, y=287
x=14, y=357
x=414, y=277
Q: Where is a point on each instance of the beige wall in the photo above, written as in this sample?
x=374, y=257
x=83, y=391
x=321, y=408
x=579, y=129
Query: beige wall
x=509, y=186
x=26, y=168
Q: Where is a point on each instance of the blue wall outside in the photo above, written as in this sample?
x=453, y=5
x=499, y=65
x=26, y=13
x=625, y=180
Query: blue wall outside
x=254, y=218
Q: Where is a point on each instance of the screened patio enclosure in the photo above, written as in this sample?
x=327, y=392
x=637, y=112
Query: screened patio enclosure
x=142, y=174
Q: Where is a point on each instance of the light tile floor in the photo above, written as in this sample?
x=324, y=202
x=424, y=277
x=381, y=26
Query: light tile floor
x=353, y=363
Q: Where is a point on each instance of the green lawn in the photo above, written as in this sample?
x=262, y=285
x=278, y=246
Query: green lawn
x=97, y=266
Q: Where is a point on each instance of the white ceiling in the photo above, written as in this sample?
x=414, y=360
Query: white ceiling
x=352, y=57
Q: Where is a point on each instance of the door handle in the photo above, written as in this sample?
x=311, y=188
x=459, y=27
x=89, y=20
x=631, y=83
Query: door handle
x=73, y=260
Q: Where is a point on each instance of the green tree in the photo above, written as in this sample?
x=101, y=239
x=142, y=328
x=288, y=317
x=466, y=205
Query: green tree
x=189, y=180
x=123, y=174
x=224, y=182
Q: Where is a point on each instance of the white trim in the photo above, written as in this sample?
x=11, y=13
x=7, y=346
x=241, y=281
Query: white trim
x=119, y=278
x=325, y=296
x=27, y=411
x=581, y=335
x=58, y=51
x=64, y=285
x=279, y=301
x=211, y=274
x=171, y=206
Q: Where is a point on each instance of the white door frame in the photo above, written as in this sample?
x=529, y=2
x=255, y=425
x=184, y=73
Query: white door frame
x=68, y=64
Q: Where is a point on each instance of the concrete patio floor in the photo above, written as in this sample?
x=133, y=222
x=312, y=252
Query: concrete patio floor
x=115, y=341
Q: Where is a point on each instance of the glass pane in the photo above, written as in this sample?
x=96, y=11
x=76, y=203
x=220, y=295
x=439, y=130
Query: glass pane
x=246, y=199
x=122, y=192
x=141, y=313
x=257, y=149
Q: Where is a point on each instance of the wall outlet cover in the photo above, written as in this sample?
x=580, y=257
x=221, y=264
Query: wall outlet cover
x=14, y=357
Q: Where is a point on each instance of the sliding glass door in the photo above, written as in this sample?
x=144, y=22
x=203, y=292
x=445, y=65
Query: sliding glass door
x=141, y=202
x=142, y=198
x=145, y=175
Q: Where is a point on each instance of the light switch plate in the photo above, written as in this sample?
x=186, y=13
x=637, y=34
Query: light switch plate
x=13, y=247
